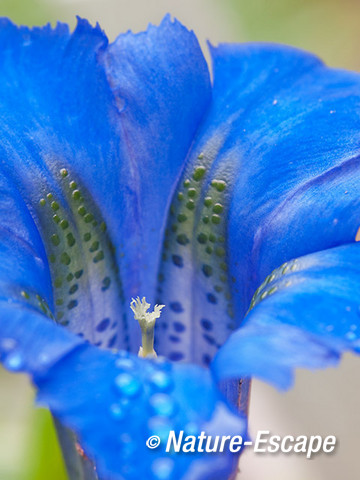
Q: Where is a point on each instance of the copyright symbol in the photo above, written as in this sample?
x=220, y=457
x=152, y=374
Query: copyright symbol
x=153, y=442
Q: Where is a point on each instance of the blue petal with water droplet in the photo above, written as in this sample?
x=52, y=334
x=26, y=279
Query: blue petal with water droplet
x=114, y=403
x=306, y=314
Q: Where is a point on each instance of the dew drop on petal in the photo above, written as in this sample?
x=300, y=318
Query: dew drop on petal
x=14, y=361
x=127, y=385
x=8, y=344
x=125, y=363
x=162, y=404
x=161, y=381
x=117, y=411
x=162, y=468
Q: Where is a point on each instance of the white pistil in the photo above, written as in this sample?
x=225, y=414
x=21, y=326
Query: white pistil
x=147, y=324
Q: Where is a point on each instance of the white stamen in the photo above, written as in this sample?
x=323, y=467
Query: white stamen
x=147, y=324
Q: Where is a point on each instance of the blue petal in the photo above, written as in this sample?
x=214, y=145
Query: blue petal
x=161, y=82
x=71, y=109
x=306, y=314
x=279, y=149
x=114, y=403
x=294, y=140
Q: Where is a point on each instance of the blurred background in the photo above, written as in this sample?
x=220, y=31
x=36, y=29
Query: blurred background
x=322, y=403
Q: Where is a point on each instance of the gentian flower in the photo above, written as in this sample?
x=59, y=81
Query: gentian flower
x=125, y=173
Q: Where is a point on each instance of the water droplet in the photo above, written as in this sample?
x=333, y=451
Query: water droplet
x=117, y=411
x=14, y=361
x=161, y=381
x=125, y=363
x=127, y=385
x=351, y=336
x=162, y=404
x=8, y=344
x=162, y=468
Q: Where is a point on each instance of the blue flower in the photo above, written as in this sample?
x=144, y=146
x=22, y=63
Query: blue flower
x=124, y=172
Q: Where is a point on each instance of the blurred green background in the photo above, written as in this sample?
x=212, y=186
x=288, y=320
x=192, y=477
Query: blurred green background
x=330, y=28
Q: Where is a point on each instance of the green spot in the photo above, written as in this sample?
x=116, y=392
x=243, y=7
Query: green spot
x=190, y=205
x=207, y=201
x=49, y=196
x=52, y=258
x=174, y=228
x=103, y=227
x=182, y=239
x=99, y=256
x=87, y=237
x=106, y=283
x=219, y=185
x=70, y=239
x=56, y=218
x=263, y=295
x=76, y=194
x=206, y=219
x=58, y=282
x=25, y=295
x=78, y=273
x=55, y=206
x=218, y=289
x=192, y=192
x=64, y=224
x=180, y=196
x=59, y=315
x=94, y=246
x=42, y=307
x=55, y=240
x=230, y=312
x=220, y=251
x=187, y=183
x=65, y=259
x=72, y=304
x=88, y=217
x=199, y=172
x=73, y=289
x=81, y=210
x=209, y=250
x=218, y=208
x=207, y=270
x=63, y=172
x=221, y=239
x=42, y=202
x=182, y=217
x=200, y=156
x=69, y=277
x=72, y=185
x=272, y=290
x=215, y=219
x=202, y=238
x=59, y=302
x=212, y=238
x=224, y=266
